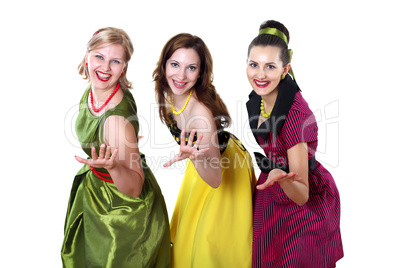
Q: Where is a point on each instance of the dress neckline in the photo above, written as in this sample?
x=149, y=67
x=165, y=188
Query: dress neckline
x=87, y=108
x=284, y=101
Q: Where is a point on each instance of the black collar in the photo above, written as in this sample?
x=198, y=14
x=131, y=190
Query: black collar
x=284, y=100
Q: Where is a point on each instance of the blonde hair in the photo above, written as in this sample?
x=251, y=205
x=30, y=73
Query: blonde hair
x=110, y=35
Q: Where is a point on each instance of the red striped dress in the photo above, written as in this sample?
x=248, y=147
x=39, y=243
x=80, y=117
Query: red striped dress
x=285, y=234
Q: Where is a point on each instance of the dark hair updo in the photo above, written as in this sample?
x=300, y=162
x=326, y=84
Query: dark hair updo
x=272, y=40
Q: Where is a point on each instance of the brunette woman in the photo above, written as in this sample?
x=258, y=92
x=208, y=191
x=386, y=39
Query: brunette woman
x=212, y=220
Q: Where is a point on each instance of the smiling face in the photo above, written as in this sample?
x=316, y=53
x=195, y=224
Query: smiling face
x=265, y=68
x=105, y=66
x=182, y=70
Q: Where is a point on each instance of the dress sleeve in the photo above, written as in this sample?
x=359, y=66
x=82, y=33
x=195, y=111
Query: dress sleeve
x=300, y=126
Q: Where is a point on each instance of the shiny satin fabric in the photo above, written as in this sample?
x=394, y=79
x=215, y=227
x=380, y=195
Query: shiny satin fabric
x=213, y=227
x=105, y=228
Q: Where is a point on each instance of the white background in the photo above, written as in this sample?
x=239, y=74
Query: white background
x=346, y=60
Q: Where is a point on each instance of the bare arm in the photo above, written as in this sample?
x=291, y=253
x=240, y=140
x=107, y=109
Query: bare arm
x=298, y=191
x=295, y=183
x=125, y=164
x=207, y=160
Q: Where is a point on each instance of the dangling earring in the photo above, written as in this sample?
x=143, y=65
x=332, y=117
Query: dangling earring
x=283, y=76
x=199, y=76
x=122, y=74
x=86, y=63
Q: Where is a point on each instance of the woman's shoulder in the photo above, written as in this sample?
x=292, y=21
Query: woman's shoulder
x=128, y=96
x=300, y=114
x=201, y=116
x=300, y=105
x=126, y=109
x=127, y=104
x=198, y=107
x=85, y=95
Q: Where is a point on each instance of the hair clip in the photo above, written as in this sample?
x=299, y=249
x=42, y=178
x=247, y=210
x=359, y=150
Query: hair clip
x=95, y=33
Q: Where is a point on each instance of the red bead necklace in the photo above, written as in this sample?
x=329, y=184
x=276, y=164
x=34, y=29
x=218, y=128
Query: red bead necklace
x=106, y=102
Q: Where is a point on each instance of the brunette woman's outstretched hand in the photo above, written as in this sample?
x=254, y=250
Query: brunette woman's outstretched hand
x=188, y=150
x=104, y=160
x=277, y=175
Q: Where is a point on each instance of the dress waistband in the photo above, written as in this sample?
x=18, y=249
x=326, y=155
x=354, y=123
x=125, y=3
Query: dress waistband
x=266, y=165
x=100, y=175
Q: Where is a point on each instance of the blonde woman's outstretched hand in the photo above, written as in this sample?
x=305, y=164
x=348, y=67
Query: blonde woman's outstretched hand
x=188, y=150
x=106, y=159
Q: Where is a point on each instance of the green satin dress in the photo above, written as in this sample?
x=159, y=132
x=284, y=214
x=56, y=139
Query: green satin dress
x=104, y=227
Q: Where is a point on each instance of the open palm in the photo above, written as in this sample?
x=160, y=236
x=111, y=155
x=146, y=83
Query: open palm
x=104, y=160
x=188, y=150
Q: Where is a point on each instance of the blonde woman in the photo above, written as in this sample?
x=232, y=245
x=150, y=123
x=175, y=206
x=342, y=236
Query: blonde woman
x=116, y=215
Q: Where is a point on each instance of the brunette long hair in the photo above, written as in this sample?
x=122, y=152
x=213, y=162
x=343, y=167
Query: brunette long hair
x=204, y=89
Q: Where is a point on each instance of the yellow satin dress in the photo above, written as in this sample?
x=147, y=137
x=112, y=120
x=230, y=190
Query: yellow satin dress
x=214, y=227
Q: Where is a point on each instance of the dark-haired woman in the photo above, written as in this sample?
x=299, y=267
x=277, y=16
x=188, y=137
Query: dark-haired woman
x=296, y=204
x=212, y=220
